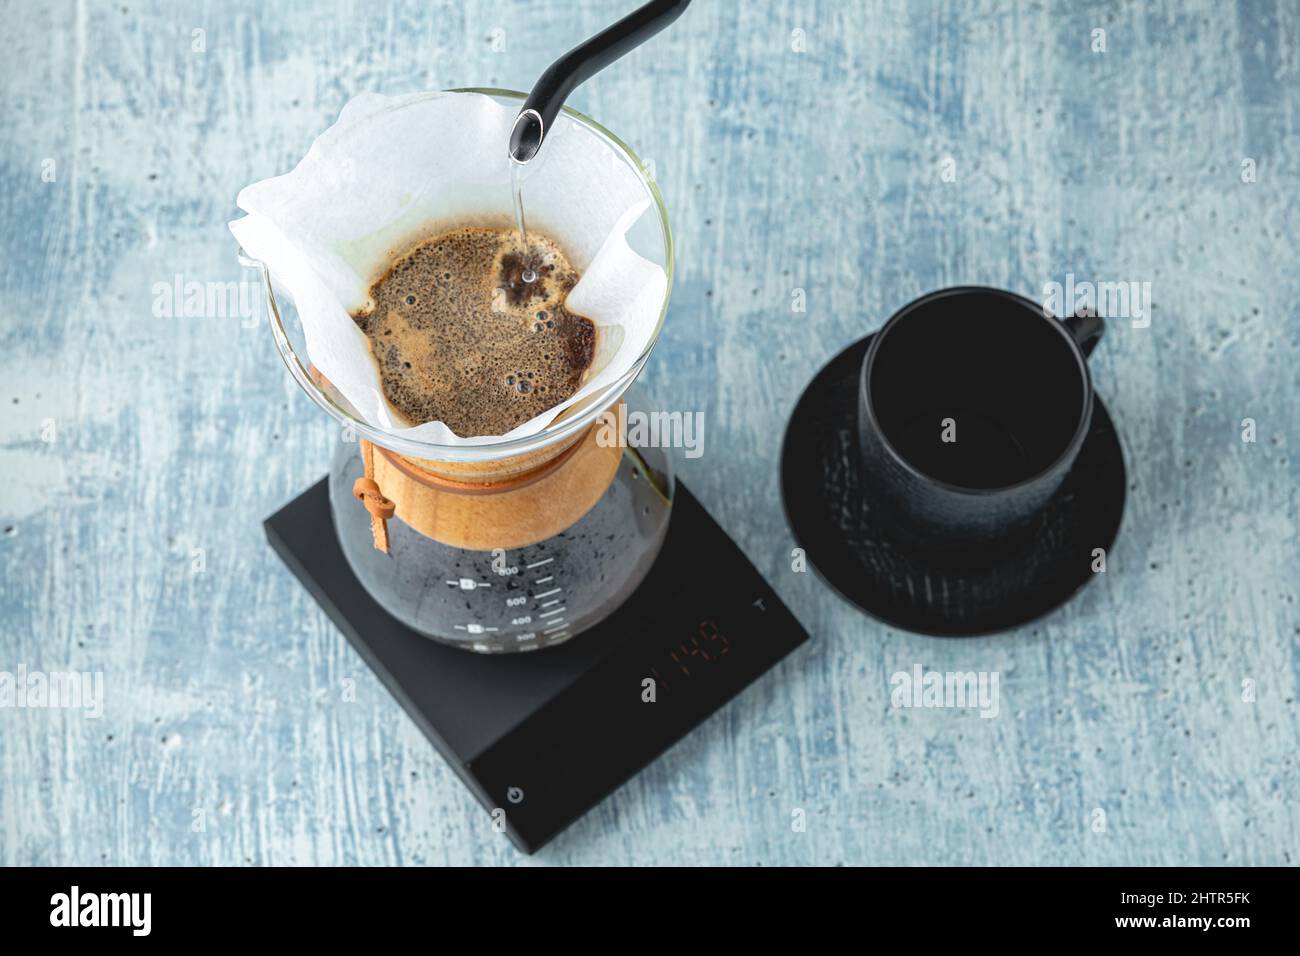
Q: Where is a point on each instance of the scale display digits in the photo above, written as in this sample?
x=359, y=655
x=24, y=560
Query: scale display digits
x=691, y=656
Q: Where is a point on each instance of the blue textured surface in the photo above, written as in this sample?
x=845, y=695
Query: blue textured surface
x=898, y=151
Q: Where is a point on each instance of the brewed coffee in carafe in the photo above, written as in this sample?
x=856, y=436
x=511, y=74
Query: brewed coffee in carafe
x=510, y=556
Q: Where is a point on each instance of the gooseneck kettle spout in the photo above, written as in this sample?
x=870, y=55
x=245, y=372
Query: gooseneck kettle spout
x=578, y=65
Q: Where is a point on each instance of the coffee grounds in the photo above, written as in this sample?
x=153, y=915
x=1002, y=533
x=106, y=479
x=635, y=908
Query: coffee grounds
x=461, y=338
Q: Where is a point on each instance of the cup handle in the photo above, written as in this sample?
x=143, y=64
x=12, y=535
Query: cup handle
x=1086, y=328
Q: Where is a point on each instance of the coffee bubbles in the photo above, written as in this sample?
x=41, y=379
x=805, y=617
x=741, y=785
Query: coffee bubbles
x=472, y=330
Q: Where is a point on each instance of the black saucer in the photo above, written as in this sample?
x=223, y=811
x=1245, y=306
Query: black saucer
x=901, y=584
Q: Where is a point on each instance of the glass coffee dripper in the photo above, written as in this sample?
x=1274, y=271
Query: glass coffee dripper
x=509, y=545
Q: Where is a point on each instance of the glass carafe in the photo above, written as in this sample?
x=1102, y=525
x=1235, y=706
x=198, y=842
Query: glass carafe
x=516, y=559
x=509, y=545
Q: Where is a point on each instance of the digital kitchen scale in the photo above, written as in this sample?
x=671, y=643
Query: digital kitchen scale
x=546, y=735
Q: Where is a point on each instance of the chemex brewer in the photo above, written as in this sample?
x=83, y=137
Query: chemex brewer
x=474, y=494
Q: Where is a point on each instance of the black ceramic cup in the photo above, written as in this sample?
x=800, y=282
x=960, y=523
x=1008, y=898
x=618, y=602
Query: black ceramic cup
x=972, y=407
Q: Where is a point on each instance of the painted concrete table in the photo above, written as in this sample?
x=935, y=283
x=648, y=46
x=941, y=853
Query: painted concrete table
x=845, y=157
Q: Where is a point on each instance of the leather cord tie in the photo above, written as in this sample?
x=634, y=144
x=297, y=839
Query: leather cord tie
x=367, y=492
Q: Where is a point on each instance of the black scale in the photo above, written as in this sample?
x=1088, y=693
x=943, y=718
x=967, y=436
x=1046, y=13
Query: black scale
x=548, y=734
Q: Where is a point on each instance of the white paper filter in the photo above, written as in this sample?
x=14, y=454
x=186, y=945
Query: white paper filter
x=395, y=169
